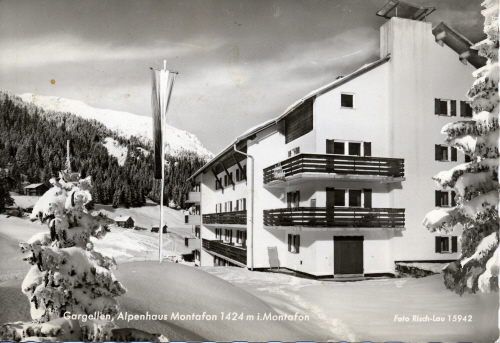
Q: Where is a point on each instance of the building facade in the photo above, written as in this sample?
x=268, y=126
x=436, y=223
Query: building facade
x=339, y=183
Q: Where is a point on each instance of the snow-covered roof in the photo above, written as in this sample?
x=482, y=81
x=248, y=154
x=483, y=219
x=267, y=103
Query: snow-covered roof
x=317, y=92
x=122, y=219
x=35, y=185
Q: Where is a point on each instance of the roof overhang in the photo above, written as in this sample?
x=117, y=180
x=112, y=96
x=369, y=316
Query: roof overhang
x=458, y=43
x=400, y=9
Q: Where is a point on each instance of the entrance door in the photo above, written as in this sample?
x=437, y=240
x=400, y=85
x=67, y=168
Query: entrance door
x=348, y=255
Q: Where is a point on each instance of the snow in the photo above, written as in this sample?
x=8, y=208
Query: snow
x=441, y=219
x=126, y=124
x=115, y=149
x=492, y=267
x=482, y=250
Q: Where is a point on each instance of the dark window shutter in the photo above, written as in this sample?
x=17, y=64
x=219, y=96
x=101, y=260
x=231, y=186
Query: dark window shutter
x=244, y=204
x=453, y=202
x=453, y=154
x=462, y=109
x=330, y=146
x=237, y=175
x=368, y=198
x=438, y=244
x=289, y=200
x=437, y=106
x=437, y=152
x=289, y=242
x=438, y=198
x=368, y=148
x=453, y=110
x=454, y=244
x=297, y=244
x=290, y=153
x=468, y=109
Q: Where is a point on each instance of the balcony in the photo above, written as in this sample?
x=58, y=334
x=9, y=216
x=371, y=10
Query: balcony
x=307, y=167
x=337, y=217
x=193, y=197
x=228, y=218
x=237, y=255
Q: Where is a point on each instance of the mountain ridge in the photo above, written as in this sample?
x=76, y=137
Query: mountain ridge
x=133, y=125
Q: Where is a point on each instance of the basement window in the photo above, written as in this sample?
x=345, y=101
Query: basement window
x=294, y=243
x=446, y=244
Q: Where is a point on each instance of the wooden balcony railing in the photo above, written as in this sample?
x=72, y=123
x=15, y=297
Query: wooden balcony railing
x=235, y=217
x=235, y=253
x=338, y=164
x=336, y=217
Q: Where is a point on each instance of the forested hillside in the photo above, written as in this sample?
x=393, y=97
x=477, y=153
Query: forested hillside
x=33, y=143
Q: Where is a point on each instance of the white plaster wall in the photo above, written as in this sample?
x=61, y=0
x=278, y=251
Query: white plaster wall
x=365, y=122
x=419, y=71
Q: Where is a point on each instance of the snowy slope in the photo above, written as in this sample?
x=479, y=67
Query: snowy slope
x=116, y=150
x=126, y=124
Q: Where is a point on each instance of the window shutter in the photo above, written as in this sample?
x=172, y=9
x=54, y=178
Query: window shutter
x=453, y=154
x=437, y=152
x=454, y=244
x=329, y=146
x=438, y=198
x=297, y=244
x=237, y=175
x=290, y=153
x=289, y=242
x=468, y=109
x=437, y=106
x=289, y=200
x=368, y=148
x=368, y=198
x=462, y=109
x=438, y=244
x=453, y=202
x=453, y=110
x=244, y=207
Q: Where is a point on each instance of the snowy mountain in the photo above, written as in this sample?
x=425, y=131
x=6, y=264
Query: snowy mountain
x=126, y=124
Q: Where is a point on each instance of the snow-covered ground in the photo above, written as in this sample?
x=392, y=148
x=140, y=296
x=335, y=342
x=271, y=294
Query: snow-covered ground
x=116, y=150
x=352, y=311
x=126, y=124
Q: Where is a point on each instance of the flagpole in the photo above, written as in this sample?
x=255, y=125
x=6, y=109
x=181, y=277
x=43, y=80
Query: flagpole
x=163, y=125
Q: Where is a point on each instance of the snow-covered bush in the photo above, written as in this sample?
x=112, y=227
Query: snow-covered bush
x=68, y=277
x=475, y=183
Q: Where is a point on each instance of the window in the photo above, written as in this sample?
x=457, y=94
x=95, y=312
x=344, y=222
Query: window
x=467, y=158
x=446, y=244
x=293, y=199
x=197, y=231
x=241, y=204
x=218, y=234
x=445, y=107
x=228, y=235
x=294, y=151
x=244, y=176
x=339, y=197
x=336, y=197
x=445, y=153
x=355, y=198
x=241, y=237
x=465, y=109
x=237, y=175
x=228, y=206
x=445, y=198
x=347, y=100
x=225, y=180
x=218, y=208
x=197, y=210
x=294, y=243
x=355, y=149
x=348, y=148
x=217, y=186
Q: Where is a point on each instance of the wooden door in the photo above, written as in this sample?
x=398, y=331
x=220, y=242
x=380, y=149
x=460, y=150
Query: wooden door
x=348, y=255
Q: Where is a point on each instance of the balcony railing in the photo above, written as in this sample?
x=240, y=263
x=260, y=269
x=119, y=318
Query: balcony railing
x=235, y=217
x=193, y=197
x=336, y=217
x=235, y=253
x=338, y=164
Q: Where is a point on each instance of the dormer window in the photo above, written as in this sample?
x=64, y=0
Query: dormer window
x=347, y=100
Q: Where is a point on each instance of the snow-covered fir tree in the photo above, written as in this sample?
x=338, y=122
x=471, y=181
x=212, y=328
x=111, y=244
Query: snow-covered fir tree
x=475, y=183
x=68, y=276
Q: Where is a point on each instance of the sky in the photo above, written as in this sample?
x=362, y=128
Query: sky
x=240, y=63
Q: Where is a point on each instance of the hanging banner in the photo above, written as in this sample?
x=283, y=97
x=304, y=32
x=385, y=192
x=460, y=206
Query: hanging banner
x=162, y=84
